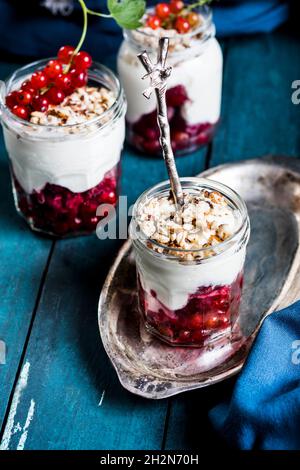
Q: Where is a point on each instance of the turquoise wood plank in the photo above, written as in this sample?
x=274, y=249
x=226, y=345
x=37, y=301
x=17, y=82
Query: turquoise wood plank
x=78, y=401
x=67, y=390
x=257, y=118
x=141, y=172
x=23, y=257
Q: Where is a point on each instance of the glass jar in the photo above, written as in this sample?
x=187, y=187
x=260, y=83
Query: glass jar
x=61, y=174
x=191, y=303
x=194, y=88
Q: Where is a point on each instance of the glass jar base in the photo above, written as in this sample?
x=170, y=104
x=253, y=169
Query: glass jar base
x=211, y=341
x=143, y=134
x=58, y=212
x=47, y=233
x=211, y=313
x=155, y=151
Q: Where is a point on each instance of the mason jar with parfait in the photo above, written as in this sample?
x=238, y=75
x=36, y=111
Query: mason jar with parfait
x=64, y=145
x=195, y=86
x=190, y=262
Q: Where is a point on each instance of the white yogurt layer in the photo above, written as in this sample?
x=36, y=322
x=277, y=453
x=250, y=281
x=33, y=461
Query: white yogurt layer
x=76, y=161
x=201, y=76
x=174, y=282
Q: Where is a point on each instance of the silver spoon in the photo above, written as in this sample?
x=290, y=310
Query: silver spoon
x=158, y=74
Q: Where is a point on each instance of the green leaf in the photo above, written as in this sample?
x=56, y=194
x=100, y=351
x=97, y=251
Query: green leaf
x=127, y=13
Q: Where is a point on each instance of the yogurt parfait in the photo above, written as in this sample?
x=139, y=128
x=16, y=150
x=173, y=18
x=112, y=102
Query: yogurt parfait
x=64, y=127
x=195, y=86
x=190, y=261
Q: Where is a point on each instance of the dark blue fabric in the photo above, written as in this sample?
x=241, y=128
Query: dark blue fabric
x=250, y=17
x=31, y=29
x=264, y=409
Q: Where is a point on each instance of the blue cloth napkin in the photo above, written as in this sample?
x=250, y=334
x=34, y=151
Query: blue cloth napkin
x=264, y=410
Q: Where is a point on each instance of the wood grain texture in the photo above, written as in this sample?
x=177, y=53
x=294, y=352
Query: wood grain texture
x=23, y=257
x=141, y=172
x=258, y=118
x=70, y=374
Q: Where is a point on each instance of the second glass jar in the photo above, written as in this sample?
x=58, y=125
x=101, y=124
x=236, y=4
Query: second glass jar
x=194, y=88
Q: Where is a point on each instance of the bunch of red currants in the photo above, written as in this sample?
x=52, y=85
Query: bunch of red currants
x=51, y=85
x=173, y=15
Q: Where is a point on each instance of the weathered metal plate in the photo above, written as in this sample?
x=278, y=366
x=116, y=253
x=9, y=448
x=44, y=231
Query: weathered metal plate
x=152, y=369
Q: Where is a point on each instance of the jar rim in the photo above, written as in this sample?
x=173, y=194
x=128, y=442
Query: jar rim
x=96, y=66
x=202, y=183
x=206, y=13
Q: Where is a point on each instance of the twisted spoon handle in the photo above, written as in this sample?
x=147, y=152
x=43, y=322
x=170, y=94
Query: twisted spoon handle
x=158, y=74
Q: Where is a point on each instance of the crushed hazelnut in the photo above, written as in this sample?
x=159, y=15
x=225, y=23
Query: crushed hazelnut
x=204, y=221
x=177, y=42
x=82, y=105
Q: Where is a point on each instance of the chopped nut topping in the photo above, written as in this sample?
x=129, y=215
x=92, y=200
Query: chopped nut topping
x=82, y=105
x=177, y=42
x=205, y=220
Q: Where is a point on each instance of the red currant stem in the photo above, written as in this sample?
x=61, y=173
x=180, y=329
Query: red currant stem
x=45, y=89
x=85, y=11
x=96, y=13
x=200, y=3
x=85, y=25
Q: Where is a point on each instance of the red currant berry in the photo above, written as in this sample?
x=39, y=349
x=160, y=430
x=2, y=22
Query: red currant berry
x=82, y=60
x=224, y=321
x=11, y=99
x=153, y=22
x=28, y=87
x=182, y=25
x=21, y=111
x=55, y=95
x=196, y=321
x=25, y=84
x=53, y=69
x=193, y=18
x=24, y=97
x=39, y=80
x=162, y=10
x=64, y=82
x=40, y=103
x=212, y=322
x=176, y=6
x=78, y=79
x=65, y=53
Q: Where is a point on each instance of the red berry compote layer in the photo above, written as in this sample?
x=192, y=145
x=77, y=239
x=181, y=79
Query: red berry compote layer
x=194, y=87
x=57, y=211
x=189, y=293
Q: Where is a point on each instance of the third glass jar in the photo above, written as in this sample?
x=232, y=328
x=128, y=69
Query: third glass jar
x=192, y=302
x=194, y=88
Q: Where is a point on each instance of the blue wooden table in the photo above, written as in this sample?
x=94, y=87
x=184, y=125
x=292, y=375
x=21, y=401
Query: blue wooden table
x=58, y=389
